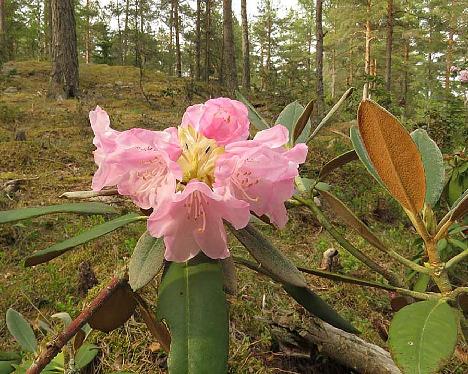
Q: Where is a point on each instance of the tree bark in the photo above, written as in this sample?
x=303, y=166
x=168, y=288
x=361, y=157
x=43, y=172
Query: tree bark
x=125, y=44
x=3, y=47
x=367, y=60
x=333, y=73
x=319, y=57
x=207, y=39
x=88, y=34
x=177, y=38
x=389, y=46
x=64, y=76
x=198, y=42
x=47, y=28
x=229, y=57
x=449, y=52
x=245, y=47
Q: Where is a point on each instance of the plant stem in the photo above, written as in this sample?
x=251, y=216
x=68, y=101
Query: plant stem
x=455, y=260
x=438, y=269
x=388, y=275
x=156, y=328
x=345, y=279
x=55, y=346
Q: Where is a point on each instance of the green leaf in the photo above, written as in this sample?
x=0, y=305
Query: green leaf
x=433, y=165
x=85, y=355
x=422, y=336
x=6, y=367
x=56, y=250
x=422, y=282
x=289, y=116
x=146, y=261
x=337, y=162
x=362, y=153
x=9, y=356
x=255, y=118
x=303, y=124
x=64, y=317
x=317, y=307
x=81, y=208
x=193, y=304
x=21, y=330
x=350, y=219
x=331, y=113
x=268, y=256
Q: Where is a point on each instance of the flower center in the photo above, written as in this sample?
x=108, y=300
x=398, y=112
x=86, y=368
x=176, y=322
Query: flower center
x=198, y=157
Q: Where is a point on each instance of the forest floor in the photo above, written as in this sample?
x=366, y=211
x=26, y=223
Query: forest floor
x=56, y=156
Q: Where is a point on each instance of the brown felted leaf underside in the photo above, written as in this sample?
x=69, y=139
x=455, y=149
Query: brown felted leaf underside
x=394, y=154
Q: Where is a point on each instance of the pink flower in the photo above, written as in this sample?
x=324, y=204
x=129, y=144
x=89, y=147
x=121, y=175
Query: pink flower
x=199, y=174
x=262, y=171
x=141, y=163
x=192, y=221
x=453, y=69
x=464, y=76
x=221, y=119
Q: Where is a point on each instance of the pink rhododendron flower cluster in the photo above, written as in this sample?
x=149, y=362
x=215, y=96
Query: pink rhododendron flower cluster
x=464, y=76
x=199, y=174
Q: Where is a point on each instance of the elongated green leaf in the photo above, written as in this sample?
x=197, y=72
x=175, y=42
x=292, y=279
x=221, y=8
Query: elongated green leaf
x=255, y=118
x=350, y=219
x=433, y=165
x=229, y=276
x=331, y=113
x=6, y=367
x=9, y=356
x=21, y=330
x=268, y=256
x=85, y=355
x=146, y=261
x=81, y=208
x=337, y=162
x=317, y=307
x=289, y=116
x=422, y=336
x=56, y=250
x=193, y=304
x=362, y=153
x=303, y=124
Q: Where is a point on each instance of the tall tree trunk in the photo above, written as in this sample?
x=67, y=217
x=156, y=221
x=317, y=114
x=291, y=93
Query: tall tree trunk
x=389, y=46
x=245, y=47
x=198, y=42
x=405, y=76
x=367, y=60
x=177, y=38
x=333, y=73
x=319, y=57
x=171, y=39
x=64, y=76
x=88, y=34
x=207, y=39
x=3, y=47
x=229, y=57
x=47, y=28
x=449, y=52
x=125, y=47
